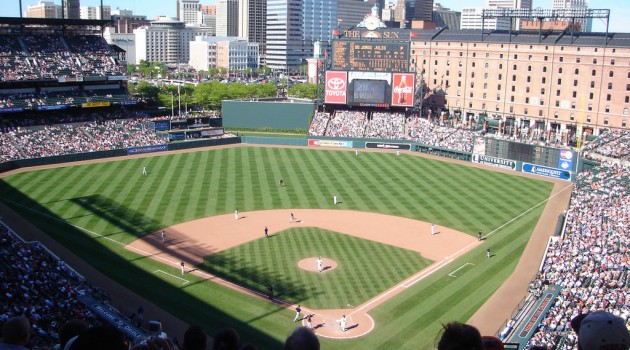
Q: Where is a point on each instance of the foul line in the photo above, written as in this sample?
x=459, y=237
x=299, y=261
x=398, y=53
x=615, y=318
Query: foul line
x=459, y=268
x=170, y=274
x=526, y=211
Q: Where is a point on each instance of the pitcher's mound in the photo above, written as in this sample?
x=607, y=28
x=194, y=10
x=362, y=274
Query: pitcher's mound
x=310, y=264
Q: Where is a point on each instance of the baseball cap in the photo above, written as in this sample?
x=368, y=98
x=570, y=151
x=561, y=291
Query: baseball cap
x=601, y=330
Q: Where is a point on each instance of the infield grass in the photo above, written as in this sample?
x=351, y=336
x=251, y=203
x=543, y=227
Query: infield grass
x=117, y=204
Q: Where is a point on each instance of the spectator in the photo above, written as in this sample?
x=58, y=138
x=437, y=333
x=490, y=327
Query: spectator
x=195, y=339
x=302, y=338
x=226, y=339
x=459, y=336
x=15, y=333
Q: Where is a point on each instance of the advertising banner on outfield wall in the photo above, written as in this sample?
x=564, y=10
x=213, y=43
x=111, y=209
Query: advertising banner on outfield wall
x=403, y=89
x=545, y=171
x=565, y=160
x=147, y=149
x=381, y=145
x=336, y=87
x=493, y=161
x=330, y=143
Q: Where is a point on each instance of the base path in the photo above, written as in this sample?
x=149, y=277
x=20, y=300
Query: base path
x=192, y=241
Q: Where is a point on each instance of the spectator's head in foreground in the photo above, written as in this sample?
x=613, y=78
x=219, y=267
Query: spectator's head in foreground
x=459, y=336
x=226, y=339
x=16, y=331
x=601, y=330
x=195, y=339
x=302, y=338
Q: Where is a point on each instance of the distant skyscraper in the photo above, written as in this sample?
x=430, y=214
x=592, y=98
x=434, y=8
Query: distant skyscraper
x=352, y=12
x=422, y=10
x=227, y=18
x=252, y=23
x=284, y=34
x=586, y=24
x=94, y=12
x=44, y=9
x=187, y=10
x=71, y=9
x=444, y=17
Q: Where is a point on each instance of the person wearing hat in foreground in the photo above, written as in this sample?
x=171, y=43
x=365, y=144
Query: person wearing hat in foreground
x=601, y=330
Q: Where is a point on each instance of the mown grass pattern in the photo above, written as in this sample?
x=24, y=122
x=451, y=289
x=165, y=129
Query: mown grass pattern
x=115, y=200
x=365, y=268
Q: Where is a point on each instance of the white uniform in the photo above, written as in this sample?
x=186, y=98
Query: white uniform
x=182, y=266
x=335, y=200
x=356, y=152
x=144, y=170
x=342, y=323
x=236, y=214
x=319, y=264
x=432, y=229
x=163, y=236
x=397, y=153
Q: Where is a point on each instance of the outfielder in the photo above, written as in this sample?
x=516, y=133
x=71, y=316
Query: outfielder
x=144, y=170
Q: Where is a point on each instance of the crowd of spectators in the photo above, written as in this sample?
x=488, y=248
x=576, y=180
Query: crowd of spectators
x=86, y=137
x=590, y=262
x=42, y=288
x=46, y=56
x=319, y=124
x=610, y=144
x=389, y=126
x=347, y=124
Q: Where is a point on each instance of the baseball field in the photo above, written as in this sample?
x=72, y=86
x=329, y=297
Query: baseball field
x=382, y=264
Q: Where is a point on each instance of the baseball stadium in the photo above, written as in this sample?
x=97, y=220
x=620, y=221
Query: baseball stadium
x=391, y=217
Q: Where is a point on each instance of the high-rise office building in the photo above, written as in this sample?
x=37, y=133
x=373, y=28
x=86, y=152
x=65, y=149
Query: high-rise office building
x=445, y=17
x=187, y=10
x=71, y=9
x=422, y=10
x=44, y=9
x=586, y=24
x=352, y=12
x=94, y=12
x=227, y=18
x=284, y=34
x=252, y=25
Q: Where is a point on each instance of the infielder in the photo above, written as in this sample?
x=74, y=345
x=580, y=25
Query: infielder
x=298, y=310
x=235, y=214
x=488, y=253
x=432, y=229
x=266, y=232
x=319, y=264
x=163, y=236
x=182, y=266
x=291, y=218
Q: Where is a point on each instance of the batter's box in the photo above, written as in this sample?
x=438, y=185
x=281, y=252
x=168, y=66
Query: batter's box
x=452, y=274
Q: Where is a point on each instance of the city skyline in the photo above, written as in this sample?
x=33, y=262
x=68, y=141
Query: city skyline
x=154, y=8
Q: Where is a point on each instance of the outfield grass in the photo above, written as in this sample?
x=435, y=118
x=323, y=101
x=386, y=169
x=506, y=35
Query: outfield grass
x=113, y=200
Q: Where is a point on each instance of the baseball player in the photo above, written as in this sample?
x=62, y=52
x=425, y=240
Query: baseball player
x=298, y=310
x=163, y=236
x=144, y=170
x=432, y=229
x=266, y=232
x=342, y=323
x=291, y=218
x=356, y=152
x=309, y=321
x=398, y=153
x=479, y=235
x=182, y=265
x=488, y=253
x=320, y=264
x=335, y=200
x=235, y=214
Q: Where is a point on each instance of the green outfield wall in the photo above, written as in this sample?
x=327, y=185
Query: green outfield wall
x=285, y=115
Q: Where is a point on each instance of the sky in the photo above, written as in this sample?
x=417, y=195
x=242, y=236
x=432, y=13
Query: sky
x=619, y=11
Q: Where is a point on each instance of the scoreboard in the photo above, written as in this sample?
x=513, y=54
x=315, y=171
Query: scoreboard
x=366, y=56
x=539, y=155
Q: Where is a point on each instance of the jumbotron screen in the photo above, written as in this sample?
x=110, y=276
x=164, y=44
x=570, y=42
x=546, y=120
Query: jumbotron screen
x=370, y=89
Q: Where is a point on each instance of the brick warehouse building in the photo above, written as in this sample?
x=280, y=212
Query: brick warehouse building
x=578, y=84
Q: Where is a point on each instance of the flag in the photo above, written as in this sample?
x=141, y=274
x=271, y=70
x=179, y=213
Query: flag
x=335, y=32
x=412, y=35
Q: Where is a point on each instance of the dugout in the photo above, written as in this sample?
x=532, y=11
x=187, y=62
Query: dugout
x=276, y=113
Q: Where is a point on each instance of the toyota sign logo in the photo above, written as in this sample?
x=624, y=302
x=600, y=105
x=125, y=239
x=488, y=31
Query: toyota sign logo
x=336, y=84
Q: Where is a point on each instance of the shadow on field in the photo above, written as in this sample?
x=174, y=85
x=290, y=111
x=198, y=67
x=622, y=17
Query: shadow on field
x=81, y=248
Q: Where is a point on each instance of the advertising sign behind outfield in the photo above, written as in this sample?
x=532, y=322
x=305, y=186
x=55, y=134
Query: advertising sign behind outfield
x=403, y=89
x=330, y=143
x=493, y=161
x=147, y=149
x=565, y=159
x=336, y=87
x=545, y=171
x=381, y=145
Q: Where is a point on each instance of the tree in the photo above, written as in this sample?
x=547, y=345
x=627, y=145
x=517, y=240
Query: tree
x=306, y=90
x=147, y=90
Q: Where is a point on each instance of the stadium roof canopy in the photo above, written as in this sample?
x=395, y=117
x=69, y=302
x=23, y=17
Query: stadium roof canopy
x=28, y=21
